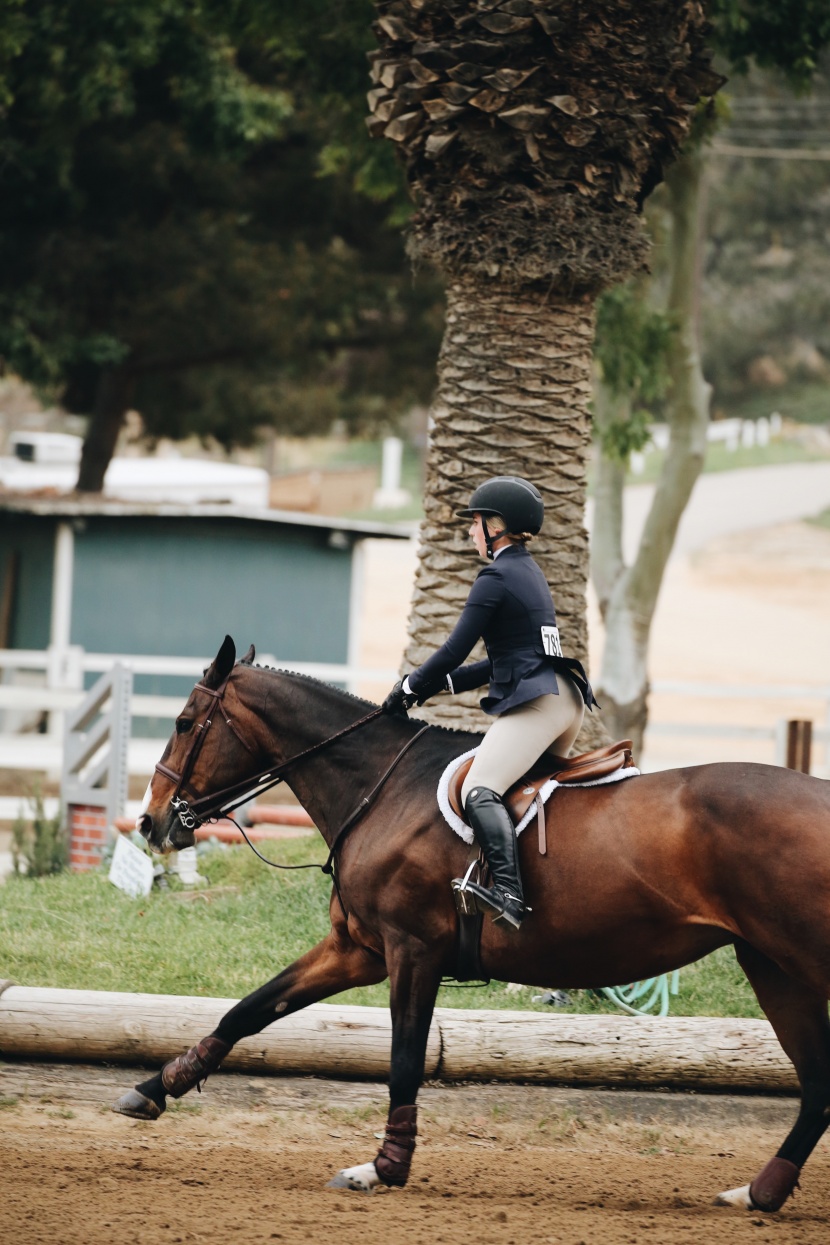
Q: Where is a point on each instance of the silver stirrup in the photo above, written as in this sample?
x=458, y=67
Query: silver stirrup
x=465, y=901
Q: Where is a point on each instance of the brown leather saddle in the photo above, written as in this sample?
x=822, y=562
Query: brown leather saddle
x=587, y=767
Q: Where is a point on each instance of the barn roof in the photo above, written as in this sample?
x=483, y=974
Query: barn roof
x=81, y=507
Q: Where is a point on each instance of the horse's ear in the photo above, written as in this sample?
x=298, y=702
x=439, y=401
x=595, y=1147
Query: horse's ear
x=222, y=664
x=248, y=659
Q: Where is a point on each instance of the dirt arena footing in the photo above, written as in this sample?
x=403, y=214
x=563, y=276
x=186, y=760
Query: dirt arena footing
x=248, y=1160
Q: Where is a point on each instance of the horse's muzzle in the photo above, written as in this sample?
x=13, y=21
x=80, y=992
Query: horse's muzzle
x=165, y=834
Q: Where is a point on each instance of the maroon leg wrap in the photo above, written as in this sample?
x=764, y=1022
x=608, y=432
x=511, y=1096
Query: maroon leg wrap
x=182, y=1073
x=774, y=1184
x=395, y=1155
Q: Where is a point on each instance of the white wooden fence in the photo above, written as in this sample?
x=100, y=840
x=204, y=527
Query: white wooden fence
x=31, y=712
x=818, y=694
x=59, y=687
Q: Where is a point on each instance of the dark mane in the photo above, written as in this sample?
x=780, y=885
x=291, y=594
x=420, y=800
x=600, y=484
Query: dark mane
x=367, y=705
x=307, y=678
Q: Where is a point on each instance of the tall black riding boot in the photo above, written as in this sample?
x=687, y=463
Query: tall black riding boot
x=496, y=837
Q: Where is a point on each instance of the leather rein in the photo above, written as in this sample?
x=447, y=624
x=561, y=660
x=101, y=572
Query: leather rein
x=206, y=808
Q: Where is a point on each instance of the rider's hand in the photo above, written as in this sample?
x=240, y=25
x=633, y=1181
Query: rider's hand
x=398, y=701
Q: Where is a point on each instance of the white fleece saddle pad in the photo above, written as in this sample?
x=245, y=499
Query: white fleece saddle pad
x=463, y=830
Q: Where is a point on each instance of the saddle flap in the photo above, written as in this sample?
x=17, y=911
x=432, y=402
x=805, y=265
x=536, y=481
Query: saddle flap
x=587, y=767
x=456, y=783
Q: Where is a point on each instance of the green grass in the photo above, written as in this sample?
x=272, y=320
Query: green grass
x=77, y=931
x=821, y=520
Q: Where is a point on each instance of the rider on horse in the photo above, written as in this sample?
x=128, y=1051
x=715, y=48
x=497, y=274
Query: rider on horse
x=536, y=695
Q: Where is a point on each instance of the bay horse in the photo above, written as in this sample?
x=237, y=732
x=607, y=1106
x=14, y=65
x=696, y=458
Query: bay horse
x=640, y=877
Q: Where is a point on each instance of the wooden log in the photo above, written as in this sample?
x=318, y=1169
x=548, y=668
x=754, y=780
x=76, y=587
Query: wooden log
x=93, y=1026
x=683, y=1052
x=703, y=1053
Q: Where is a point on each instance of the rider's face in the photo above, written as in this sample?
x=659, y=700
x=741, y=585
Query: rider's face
x=477, y=535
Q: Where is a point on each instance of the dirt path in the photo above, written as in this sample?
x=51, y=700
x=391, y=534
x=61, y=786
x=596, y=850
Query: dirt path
x=248, y=1161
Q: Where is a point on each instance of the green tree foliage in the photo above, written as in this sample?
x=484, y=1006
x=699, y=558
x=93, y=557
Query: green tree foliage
x=779, y=34
x=631, y=352
x=766, y=277
x=168, y=237
x=632, y=336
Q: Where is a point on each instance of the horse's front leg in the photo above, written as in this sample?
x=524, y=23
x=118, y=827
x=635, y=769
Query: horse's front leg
x=414, y=981
x=337, y=963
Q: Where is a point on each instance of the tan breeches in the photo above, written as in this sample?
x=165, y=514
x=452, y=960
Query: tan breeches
x=519, y=737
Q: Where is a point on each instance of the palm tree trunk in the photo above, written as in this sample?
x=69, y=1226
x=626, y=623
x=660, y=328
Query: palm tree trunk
x=112, y=401
x=512, y=399
x=632, y=599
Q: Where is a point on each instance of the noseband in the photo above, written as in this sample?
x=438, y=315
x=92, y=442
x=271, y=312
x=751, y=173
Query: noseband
x=195, y=812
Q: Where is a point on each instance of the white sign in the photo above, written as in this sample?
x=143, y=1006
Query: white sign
x=131, y=871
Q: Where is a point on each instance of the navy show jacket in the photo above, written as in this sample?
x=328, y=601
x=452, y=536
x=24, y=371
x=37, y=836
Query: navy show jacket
x=508, y=606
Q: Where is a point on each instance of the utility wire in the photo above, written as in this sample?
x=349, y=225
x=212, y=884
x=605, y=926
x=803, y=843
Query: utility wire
x=769, y=153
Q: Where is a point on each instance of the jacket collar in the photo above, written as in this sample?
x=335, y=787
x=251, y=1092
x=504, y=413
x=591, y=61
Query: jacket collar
x=513, y=551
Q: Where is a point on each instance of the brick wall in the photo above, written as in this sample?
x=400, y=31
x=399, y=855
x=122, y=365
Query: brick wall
x=89, y=833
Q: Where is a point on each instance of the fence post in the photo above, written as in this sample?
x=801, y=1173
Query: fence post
x=799, y=744
x=94, y=780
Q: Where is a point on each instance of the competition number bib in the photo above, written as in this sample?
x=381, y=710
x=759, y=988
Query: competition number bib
x=550, y=641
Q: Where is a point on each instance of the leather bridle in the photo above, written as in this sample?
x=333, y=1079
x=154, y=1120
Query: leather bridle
x=206, y=807
x=189, y=818
x=197, y=810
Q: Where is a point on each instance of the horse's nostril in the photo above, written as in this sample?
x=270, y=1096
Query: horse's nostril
x=144, y=824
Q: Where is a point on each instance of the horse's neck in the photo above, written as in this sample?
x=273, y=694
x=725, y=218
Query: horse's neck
x=331, y=783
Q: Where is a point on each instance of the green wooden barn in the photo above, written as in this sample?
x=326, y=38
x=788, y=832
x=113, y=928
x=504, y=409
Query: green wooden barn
x=130, y=578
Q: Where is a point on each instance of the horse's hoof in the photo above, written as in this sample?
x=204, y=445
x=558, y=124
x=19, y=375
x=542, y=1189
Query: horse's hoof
x=136, y=1106
x=736, y=1197
x=362, y=1179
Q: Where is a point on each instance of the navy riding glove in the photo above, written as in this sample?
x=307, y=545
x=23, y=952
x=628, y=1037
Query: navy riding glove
x=398, y=702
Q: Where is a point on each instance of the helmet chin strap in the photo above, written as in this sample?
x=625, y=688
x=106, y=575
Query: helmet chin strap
x=489, y=538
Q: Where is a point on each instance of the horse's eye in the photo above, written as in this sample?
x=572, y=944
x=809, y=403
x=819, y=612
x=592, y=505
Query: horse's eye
x=183, y=725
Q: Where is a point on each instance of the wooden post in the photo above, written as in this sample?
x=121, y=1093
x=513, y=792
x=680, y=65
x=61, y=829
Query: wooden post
x=799, y=745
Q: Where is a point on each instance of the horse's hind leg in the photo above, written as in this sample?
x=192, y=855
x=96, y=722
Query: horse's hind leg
x=337, y=963
x=798, y=1014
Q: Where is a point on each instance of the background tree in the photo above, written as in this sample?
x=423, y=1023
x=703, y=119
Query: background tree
x=167, y=239
x=628, y=594
x=531, y=134
x=668, y=355
x=765, y=279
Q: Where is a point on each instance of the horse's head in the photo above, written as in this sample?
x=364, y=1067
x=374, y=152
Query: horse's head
x=214, y=746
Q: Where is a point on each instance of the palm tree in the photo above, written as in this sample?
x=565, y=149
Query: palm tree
x=531, y=133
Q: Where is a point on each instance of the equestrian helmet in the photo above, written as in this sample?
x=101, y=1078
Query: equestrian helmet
x=516, y=500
